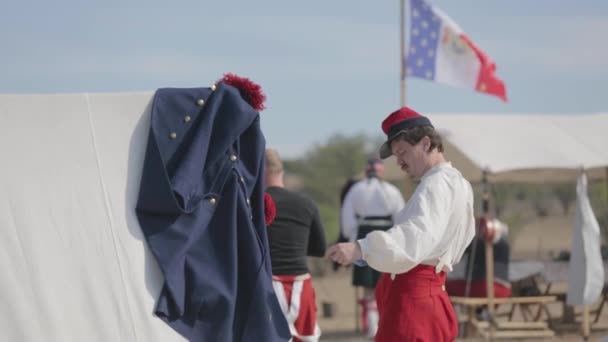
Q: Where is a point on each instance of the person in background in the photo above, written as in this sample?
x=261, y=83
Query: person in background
x=371, y=204
x=343, y=191
x=477, y=283
x=295, y=233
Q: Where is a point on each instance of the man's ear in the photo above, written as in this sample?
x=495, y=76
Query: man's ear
x=426, y=143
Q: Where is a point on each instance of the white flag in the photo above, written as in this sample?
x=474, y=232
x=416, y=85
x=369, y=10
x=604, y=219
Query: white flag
x=586, y=270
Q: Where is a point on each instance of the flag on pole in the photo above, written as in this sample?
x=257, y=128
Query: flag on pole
x=438, y=50
x=586, y=269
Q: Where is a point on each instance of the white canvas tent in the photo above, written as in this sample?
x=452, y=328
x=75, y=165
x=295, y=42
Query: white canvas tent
x=525, y=147
x=74, y=263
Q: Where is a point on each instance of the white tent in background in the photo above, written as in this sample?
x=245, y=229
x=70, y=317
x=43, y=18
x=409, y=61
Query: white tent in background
x=526, y=147
x=523, y=147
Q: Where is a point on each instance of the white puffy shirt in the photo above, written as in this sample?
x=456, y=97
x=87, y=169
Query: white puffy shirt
x=368, y=197
x=434, y=228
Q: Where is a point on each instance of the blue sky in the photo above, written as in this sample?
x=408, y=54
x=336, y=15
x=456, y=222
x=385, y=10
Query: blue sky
x=326, y=66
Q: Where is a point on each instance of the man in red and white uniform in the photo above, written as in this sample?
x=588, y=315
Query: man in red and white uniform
x=429, y=235
x=295, y=233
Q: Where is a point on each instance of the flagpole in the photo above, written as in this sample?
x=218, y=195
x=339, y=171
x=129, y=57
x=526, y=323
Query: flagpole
x=606, y=227
x=402, y=58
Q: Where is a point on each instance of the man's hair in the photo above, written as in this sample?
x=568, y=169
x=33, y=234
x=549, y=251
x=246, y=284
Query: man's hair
x=272, y=161
x=413, y=136
x=371, y=168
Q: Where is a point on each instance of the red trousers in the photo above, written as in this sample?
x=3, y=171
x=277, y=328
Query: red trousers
x=414, y=307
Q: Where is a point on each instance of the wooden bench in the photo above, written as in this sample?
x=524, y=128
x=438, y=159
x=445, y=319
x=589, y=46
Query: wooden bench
x=569, y=314
x=598, y=311
x=594, y=313
x=506, y=329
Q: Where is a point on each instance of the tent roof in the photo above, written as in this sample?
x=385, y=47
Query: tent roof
x=525, y=147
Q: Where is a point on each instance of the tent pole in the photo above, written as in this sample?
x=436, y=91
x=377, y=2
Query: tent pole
x=489, y=256
x=606, y=223
x=402, y=51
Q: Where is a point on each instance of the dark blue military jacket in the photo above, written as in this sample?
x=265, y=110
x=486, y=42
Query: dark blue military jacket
x=201, y=209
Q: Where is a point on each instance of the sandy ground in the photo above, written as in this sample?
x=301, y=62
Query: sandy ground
x=335, y=288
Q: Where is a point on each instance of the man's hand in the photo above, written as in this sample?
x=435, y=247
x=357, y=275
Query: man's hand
x=344, y=253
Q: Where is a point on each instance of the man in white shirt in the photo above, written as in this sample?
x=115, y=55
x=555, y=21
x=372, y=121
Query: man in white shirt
x=430, y=235
x=369, y=205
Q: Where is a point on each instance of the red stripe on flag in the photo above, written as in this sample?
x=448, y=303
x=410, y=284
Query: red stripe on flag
x=487, y=81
